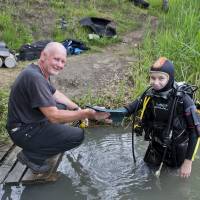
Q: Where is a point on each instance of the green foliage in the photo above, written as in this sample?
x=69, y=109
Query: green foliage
x=177, y=38
x=122, y=14
x=115, y=97
x=3, y=115
x=13, y=32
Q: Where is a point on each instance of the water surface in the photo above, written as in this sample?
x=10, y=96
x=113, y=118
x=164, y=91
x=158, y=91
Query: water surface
x=103, y=168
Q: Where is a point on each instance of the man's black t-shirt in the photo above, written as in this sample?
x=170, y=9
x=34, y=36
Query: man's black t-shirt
x=29, y=92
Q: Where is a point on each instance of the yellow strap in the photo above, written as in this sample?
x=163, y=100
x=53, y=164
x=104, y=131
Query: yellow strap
x=146, y=100
x=196, y=149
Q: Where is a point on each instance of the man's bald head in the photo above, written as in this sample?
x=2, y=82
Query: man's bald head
x=52, y=59
x=53, y=47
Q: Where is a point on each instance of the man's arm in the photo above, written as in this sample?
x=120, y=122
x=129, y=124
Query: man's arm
x=133, y=106
x=61, y=98
x=55, y=115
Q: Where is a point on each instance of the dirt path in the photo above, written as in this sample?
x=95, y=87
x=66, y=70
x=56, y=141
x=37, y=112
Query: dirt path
x=102, y=71
x=94, y=72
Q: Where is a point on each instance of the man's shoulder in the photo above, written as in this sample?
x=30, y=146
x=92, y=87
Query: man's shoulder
x=33, y=71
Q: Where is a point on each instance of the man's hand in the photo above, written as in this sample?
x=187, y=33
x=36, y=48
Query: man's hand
x=186, y=168
x=92, y=114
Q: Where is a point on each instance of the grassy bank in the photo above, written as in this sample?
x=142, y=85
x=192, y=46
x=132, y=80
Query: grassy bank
x=3, y=115
x=177, y=38
x=32, y=20
x=27, y=21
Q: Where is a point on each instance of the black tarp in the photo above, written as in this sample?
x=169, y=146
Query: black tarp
x=100, y=26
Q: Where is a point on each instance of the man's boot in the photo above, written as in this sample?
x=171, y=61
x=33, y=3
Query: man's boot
x=36, y=168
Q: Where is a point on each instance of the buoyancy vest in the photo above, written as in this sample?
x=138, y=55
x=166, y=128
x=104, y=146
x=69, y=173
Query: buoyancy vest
x=156, y=117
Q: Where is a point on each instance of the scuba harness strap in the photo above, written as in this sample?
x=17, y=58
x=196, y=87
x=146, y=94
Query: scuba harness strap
x=168, y=132
x=196, y=149
x=134, y=128
x=138, y=126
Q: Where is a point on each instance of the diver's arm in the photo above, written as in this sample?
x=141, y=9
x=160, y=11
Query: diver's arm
x=192, y=144
x=131, y=108
x=193, y=123
x=186, y=167
x=193, y=126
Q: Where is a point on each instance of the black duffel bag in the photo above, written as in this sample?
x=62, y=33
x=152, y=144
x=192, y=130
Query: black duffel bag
x=32, y=51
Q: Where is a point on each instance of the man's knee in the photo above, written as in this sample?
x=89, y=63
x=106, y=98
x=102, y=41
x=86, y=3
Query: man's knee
x=79, y=136
x=74, y=138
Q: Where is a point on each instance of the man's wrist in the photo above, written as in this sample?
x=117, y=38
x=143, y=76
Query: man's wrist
x=76, y=108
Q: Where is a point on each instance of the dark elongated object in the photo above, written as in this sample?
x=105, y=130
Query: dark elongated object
x=169, y=131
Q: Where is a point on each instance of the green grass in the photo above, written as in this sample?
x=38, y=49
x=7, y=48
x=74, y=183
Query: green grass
x=177, y=38
x=3, y=115
x=13, y=32
x=122, y=14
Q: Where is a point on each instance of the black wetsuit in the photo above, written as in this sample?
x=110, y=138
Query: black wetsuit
x=155, y=121
x=26, y=124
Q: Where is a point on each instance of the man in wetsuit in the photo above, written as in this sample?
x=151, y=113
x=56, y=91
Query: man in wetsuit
x=156, y=104
x=34, y=121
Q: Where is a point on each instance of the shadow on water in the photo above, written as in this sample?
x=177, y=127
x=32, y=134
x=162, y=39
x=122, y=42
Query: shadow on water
x=102, y=168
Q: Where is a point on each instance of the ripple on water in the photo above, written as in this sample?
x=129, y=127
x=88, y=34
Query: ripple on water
x=106, y=163
x=102, y=168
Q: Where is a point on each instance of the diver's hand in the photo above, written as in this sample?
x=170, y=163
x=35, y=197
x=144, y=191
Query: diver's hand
x=186, y=168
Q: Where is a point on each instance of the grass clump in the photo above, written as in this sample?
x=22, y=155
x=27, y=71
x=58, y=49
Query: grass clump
x=13, y=32
x=3, y=116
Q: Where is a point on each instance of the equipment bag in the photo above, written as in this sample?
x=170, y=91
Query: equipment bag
x=74, y=47
x=32, y=51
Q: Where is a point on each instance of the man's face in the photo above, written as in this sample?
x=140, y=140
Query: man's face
x=54, y=62
x=158, y=80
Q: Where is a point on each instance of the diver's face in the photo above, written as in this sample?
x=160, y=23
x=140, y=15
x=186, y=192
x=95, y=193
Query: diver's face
x=158, y=80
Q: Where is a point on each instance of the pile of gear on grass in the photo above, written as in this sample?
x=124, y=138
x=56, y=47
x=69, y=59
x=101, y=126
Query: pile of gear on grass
x=7, y=57
x=99, y=27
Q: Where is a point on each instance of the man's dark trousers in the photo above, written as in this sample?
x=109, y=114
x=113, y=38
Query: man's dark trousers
x=43, y=140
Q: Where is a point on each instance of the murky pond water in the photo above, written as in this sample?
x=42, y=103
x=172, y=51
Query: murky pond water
x=102, y=168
